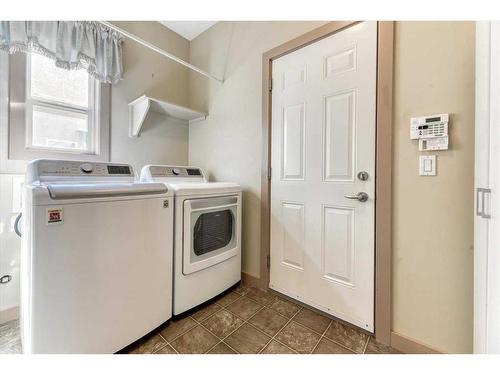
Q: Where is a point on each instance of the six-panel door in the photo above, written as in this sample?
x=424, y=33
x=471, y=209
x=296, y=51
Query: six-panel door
x=323, y=135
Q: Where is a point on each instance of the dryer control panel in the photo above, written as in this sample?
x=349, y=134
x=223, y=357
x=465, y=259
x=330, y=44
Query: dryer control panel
x=171, y=171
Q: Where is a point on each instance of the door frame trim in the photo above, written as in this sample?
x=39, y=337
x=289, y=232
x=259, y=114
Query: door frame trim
x=383, y=183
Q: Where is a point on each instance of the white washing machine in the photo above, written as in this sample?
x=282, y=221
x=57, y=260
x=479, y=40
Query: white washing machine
x=96, y=265
x=207, y=233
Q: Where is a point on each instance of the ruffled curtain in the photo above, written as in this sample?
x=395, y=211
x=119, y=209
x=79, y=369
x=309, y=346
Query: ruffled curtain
x=71, y=44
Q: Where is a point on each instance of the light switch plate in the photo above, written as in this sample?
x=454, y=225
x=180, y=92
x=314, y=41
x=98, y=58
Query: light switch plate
x=427, y=165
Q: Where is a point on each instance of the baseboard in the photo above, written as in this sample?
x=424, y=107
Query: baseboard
x=249, y=280
x=408, y=345
x=9, y=314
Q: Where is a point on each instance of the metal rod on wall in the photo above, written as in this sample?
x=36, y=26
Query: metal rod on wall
x=159, y=50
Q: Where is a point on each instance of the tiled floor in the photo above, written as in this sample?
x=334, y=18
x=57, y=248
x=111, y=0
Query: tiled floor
x=251, y=321
x=243, y=320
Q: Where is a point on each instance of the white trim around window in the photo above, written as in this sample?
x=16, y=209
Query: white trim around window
x=16, y=127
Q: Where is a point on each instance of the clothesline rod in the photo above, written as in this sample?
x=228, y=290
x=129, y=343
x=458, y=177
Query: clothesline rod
x=159, y=50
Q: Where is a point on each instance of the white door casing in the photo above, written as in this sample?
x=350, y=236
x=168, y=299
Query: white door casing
x=323, y=135
x=487, y=184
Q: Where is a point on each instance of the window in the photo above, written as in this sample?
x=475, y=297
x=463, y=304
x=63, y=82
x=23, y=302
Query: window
x=60, y=107
x=54, y=112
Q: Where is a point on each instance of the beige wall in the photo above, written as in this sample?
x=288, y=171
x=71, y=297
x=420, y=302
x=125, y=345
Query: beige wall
x=162, y=140
x=433, y=222
x=433, y=216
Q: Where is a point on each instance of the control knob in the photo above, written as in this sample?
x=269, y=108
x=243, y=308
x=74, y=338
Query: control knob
x=86, y=168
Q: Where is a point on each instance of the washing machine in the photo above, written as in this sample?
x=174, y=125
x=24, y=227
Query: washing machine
x=96, y=263
x=207, y=233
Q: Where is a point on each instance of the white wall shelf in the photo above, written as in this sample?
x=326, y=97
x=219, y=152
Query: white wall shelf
x=139, y=108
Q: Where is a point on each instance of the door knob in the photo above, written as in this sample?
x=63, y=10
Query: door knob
x=361, y=196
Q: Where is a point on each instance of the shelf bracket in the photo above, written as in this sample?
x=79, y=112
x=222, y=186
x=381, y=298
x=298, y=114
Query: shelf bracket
x=137, y=114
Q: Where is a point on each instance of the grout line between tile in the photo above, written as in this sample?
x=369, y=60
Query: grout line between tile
x=221, y=340
x=244, y=321
x=340, y=344
x=281, y=329
x=310, y=329
x=322, y=335
x=182, y=334
x=161, y=347
x=175, y=350
x=366, y=344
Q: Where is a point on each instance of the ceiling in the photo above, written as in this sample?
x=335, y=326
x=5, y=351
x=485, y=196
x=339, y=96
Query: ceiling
x=188, y=29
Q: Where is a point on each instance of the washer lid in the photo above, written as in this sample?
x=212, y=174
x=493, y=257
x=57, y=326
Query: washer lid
x=204, y=188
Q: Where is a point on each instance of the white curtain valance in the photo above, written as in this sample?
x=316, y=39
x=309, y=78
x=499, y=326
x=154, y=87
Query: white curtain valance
x=71, y=44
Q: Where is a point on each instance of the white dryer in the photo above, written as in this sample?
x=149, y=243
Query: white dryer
x=96, y=265
x=207, y=233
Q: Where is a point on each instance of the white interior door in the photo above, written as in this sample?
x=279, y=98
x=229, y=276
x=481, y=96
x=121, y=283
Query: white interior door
x=323, y=135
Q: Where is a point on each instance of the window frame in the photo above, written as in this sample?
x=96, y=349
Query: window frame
x=20, y=112
x=90, y=111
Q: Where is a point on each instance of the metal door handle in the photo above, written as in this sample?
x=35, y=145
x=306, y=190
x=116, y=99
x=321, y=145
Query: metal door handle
x=16, y=225
x=482, y=193
x=361, y=196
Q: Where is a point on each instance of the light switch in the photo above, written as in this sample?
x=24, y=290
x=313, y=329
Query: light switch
x=427, y=165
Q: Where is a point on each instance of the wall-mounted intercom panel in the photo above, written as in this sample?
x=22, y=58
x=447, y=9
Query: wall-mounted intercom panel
x=431, y=131
x=429, y=126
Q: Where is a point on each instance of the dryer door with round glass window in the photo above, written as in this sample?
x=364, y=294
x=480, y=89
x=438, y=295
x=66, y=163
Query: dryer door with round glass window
x=210, y=232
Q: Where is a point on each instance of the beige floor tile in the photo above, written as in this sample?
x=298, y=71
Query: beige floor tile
x=275, y=347
x=166, y=350
x=268, y=321
x=284, y=307
x=204, y=312
x=176, y=327
x=299, y=338
x=222, y=323
x=375, y=347
x=247, y=340
x=241, y=290
x=244, y=308
x=221, y=348
x=196, y=341
x=328, y=347
x=261, y=296
x=347, y=336
x=147, y=345
x=227, y=298
x=313, y=320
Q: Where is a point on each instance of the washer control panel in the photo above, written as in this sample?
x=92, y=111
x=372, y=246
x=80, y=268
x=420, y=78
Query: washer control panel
x=78, y=168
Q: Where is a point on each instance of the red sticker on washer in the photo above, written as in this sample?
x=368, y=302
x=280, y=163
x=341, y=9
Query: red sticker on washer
x=54, y=216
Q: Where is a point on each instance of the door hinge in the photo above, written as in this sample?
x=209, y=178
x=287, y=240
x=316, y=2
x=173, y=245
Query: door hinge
x=270, y=85
x=268, y=261
x=269, y=173
x=483, y=197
